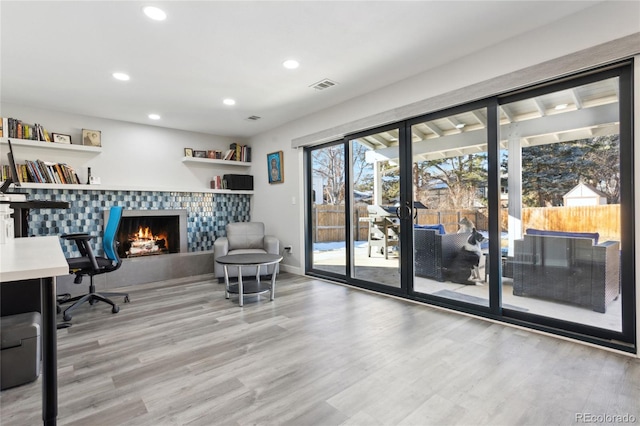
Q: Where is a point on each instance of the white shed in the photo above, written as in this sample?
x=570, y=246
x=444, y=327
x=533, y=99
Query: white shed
x=584, y=195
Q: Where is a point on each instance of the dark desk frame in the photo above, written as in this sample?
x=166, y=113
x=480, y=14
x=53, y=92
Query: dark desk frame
x=21, y=213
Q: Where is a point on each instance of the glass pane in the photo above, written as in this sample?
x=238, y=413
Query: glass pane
x=375, y=195
x=328, y=209
x=450, y=190
x=561, y=163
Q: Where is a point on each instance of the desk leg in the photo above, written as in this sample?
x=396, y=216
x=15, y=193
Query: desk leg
x=240, y=290
x=49, y=352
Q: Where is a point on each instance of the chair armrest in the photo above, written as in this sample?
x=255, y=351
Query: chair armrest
x=607, y=244
x=82, y=242
x=271, y=244
x=79, y=236
x=220, y=248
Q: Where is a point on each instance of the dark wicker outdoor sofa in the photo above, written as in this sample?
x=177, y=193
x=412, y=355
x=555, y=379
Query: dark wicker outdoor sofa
x=573, y=268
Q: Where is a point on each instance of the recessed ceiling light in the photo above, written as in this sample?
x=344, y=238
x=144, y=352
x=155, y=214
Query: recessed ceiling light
x=291, y=64
x=121, y=76
x=154, y=116
x=460, y=125
x=154, y=13
x=561, y=106
x=229, y=101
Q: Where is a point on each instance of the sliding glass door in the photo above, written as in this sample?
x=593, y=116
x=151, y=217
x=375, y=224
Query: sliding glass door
x=354, y=219
x=561, y=158
x=517, y=207
x=450, y=189
x=327, y=234
x=375, y=207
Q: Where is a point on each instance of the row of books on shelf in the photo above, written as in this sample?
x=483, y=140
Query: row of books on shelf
x=241, y=152
x=218, y=182
x=216, y=155
x=13, y=128
x=43, y=172
x=236, y=152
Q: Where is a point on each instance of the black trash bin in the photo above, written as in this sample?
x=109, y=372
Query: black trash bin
x=21, y=351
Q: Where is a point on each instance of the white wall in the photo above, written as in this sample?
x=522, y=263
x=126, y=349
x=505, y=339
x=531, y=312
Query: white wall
x=133, y=155
x=150, y=156
x=273, y=203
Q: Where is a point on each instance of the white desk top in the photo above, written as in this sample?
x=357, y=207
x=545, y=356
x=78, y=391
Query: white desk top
x=35, y=257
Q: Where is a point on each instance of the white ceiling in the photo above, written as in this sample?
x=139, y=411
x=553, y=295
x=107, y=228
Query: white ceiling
x=60, y=54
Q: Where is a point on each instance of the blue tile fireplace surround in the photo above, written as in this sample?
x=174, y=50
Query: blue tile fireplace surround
x=207, y=217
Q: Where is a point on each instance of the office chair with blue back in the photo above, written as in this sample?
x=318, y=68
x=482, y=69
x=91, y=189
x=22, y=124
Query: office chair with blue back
x=89, y=264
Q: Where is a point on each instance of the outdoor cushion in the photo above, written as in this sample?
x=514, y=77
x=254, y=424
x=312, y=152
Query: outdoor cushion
x=439, y=227
x=593, y=235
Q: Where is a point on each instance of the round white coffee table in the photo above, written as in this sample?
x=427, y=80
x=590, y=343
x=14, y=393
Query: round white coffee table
x=253, y=287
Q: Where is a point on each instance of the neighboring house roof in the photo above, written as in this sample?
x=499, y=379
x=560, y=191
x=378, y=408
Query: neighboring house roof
x=584, y=190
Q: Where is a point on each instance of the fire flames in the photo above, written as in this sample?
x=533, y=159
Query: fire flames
x=145, y=234
x=144, y=242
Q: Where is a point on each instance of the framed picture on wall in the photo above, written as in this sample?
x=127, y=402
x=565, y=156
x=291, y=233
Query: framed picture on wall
x=275, y=167
x=91, y=137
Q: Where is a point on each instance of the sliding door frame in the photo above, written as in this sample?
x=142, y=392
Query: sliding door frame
x=624, y=340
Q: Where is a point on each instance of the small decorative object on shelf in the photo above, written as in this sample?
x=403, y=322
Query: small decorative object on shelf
x=188, y=152
x=91, y=137
x=6, y=222
x=200, y=154
x=88, y=175
x=60, y=138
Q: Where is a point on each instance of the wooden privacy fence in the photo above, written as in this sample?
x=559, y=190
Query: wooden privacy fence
x=604, y=219
x=328, y=220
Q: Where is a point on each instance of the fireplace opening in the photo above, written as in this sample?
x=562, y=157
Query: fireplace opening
x=151, y=232
x=148, y=236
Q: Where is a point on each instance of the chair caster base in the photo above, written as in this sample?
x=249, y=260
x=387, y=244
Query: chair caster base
x=115, y=309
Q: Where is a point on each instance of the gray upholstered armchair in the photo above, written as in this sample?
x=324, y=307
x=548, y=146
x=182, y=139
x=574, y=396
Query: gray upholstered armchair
x=245, y=237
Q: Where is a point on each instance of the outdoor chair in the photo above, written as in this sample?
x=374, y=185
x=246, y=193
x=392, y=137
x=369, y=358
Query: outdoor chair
x=571, y=269
x=434, y=251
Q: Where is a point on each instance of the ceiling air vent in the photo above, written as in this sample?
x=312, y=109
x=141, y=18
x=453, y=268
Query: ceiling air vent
x=323, y=84
x=254, y=118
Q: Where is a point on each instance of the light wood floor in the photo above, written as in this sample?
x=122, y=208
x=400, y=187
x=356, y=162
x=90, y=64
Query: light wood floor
x=320, y=354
